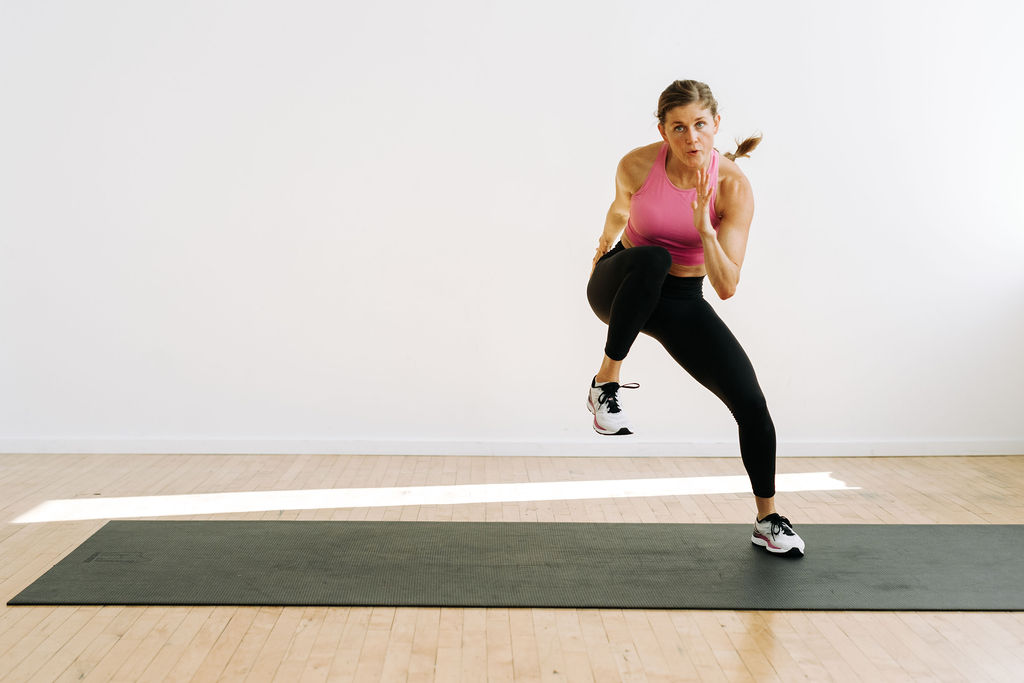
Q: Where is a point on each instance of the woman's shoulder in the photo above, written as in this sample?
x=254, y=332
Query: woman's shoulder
x=730, y=172
x=634, y=167
x=727, y=168
x=643, y=155
x=733, y=184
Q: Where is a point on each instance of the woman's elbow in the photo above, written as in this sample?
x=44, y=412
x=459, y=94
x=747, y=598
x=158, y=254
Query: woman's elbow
x=726, y=290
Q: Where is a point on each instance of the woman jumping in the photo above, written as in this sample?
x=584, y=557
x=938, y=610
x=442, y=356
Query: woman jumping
x=686, y=211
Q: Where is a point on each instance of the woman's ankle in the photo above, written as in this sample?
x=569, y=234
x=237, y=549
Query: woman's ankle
x=765, y=506
x=609, y=371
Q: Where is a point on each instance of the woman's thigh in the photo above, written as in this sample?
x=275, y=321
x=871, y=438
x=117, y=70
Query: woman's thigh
x=614, y=267
x=706, y=348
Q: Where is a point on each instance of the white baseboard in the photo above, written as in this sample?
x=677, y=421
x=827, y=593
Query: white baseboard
x=595, y=446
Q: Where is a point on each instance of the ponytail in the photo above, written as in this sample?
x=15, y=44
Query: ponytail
x=743, y=149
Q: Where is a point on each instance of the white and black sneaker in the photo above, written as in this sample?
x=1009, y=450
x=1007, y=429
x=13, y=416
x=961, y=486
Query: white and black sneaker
x=775, y=534
x=603, y=402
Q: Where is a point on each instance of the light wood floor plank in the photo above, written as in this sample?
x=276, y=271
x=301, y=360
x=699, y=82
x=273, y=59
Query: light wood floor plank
x=423, y=658
x=525, y=654
x=371, y=656
x=602, y=653
x=242, y=661
x=499, y=645
x=399, y=647
x=448, y=659
x=223, y=648
x=321, y=655
x=174, y=645
x=20, y=654
x=550, y=657
x=44, y=661
x=289, y=645
x=346, y=653
x=144, y=620
x=81, y=653
x=168, y=621
x=474, y=644
x=212, y=622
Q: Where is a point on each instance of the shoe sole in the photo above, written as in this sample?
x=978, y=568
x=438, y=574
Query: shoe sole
x=761, y=543
x=623, y=431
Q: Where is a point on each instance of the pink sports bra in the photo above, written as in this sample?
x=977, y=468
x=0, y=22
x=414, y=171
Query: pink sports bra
x=660, y=214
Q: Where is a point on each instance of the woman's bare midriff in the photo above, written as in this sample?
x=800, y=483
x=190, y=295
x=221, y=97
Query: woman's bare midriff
x=676, y=269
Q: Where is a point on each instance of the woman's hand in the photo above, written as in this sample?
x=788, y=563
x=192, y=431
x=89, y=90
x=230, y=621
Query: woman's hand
x=702, y=204
x=602, y=248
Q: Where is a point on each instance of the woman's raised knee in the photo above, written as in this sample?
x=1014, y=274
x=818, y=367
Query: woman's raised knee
x=655, y=260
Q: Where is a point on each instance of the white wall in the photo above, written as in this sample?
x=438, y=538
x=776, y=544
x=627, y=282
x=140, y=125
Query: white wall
x=284, y=226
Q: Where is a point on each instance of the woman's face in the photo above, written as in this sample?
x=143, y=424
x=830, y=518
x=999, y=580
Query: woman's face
x=690, y=134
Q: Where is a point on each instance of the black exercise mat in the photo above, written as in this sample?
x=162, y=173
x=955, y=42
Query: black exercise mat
x=535, y=564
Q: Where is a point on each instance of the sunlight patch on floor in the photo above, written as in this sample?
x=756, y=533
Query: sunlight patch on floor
x=314, y=499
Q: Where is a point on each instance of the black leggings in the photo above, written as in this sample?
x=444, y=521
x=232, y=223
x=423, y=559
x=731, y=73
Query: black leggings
x=632, y=292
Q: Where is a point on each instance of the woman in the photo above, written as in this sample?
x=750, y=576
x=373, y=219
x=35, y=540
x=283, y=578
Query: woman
x=686, y=211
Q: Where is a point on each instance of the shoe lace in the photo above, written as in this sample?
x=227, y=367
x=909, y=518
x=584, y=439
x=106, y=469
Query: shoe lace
x=780, y=524
x=609, y=395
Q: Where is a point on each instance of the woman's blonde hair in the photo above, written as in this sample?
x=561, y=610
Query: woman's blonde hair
x=682, y=93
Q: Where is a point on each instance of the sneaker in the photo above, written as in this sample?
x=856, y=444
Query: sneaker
x=603, y=402
x=775, y=534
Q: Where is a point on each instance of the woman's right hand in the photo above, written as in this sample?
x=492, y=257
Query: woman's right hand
x=602, y=248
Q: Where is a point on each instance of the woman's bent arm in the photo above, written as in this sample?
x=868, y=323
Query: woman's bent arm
x=618, y=213
x=723, y=273
x=724, y=250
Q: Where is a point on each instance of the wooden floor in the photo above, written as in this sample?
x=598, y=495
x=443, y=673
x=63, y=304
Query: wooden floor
x=372, y=644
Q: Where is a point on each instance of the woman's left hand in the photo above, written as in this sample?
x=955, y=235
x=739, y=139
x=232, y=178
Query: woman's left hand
x=702, y=204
